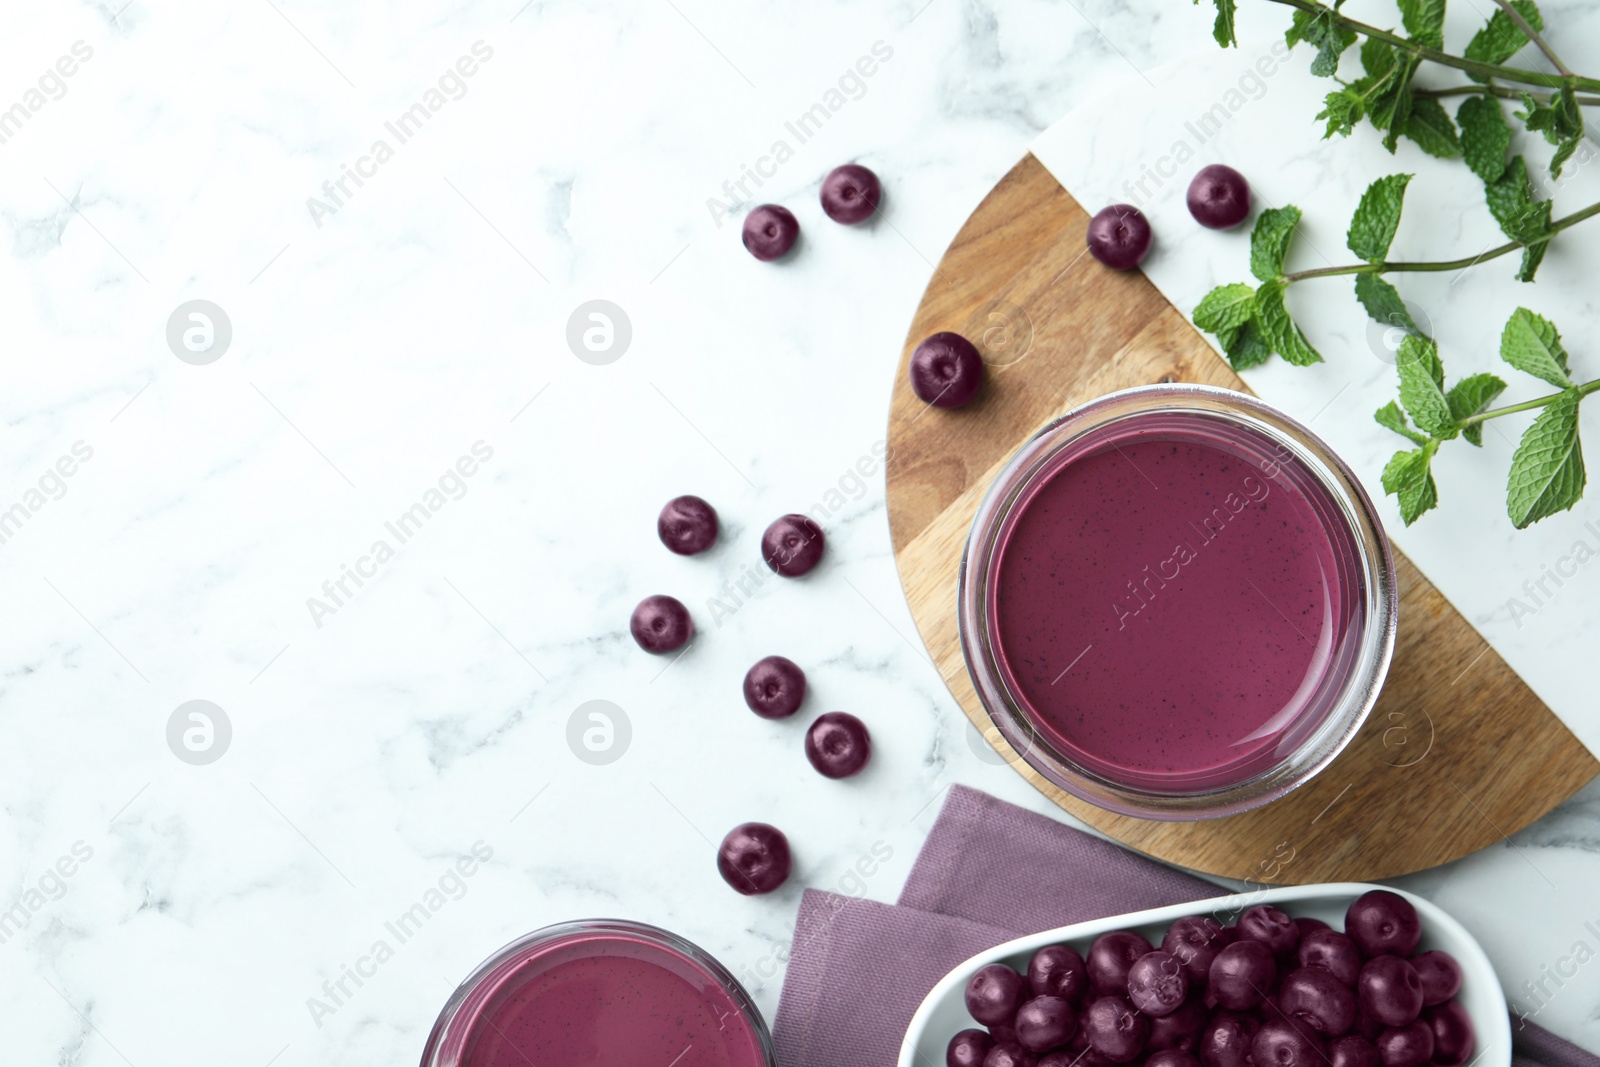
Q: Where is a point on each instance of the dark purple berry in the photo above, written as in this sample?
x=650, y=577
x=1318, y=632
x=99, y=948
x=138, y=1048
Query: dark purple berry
x=1315, y=994
x=1172, y=1057
x=946, y=370
x=1226, y=1042
x=1410, y=1045
x=775, y=687
x=1390, y=991
x=1440, y=974
x=1352, y=1050
x=1333, y=952
x=993, y=995
x=1272, y=927
x=1242, y=975
x=1309, y=925
x=754, y=858
x=770, y=231
x=1115, y=1028
x=1111, y=956
x=1382, y=923
x=1454, y=1037
x=1119, y=236
x=967, y=1049
x=1195, y=940
x=1280, y=1044
x=1219, y=197
x=1157, y=984
x=1058, y=971
x=850, y=194
x=838, y=744
x=687, y=525
x=792, y=545
x=661, y=624
x=1010, y=1054
x=1044, y=1023
x=1182, y=1028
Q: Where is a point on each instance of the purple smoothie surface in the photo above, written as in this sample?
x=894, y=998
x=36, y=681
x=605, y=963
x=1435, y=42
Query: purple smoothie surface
x=611, y=1000
x=1170, y=599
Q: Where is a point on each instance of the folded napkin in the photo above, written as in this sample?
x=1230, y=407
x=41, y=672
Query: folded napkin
x=989, y=872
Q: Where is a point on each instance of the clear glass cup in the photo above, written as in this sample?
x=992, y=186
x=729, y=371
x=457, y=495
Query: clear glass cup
x=1359, y=645
x=471, y=1007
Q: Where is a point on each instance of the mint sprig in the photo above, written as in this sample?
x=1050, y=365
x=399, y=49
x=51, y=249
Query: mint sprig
x=1372, y=232
x=1387, y=95
x=1251, y=323
x=1547, y=473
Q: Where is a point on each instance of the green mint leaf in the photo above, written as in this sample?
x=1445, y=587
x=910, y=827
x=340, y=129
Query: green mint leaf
x=1547, y=472
x=1569, y=116
x=1532, y=345
x=1431, y=127
x=1391, y=108
x=1391, y=417
x=1532, y=256
x=1470, y=396
x=1377, y=217
x=1424, y=21
x=1559, y=120
x=1227, y=307
x=1510, y=198
x=1279, y=329
x=1330, y=38
x=1377, y=59
x=1408, y=478
x=1383, y=304
x=1245, y=346
x=1224, y=30
x=1521, y=216
x=1563, y=154
x=1485, y=136
x=1422, y=387
x=1342, y=108
x=1500, y=38
x=1269, y=241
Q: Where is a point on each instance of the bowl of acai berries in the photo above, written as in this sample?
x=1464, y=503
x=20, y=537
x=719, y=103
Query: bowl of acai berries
x=1340, y=975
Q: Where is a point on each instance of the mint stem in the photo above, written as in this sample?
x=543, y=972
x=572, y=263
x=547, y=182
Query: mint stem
x=1533, y=35
x=1445, y=59
x=1498, y=90
x=1453, y=264
x=1528, y=405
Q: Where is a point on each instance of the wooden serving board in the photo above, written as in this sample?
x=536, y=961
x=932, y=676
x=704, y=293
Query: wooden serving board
x=1458, y=752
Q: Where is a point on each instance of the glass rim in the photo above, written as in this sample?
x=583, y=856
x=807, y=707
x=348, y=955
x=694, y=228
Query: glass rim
x=1354, y=697
x=458, y=1018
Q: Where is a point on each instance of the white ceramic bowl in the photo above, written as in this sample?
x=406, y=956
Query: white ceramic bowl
x=943, y=1011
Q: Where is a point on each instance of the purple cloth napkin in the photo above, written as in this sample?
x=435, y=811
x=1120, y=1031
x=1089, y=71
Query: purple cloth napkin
x=989, y=872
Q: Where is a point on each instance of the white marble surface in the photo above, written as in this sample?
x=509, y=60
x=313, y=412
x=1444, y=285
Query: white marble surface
x=429, y=713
